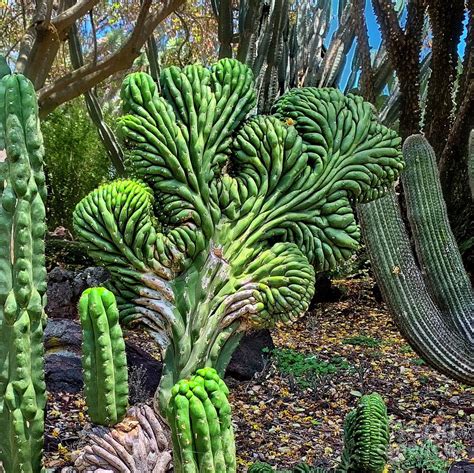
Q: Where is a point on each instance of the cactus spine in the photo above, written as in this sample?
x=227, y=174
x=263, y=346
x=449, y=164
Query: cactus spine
x=103, y=357
x=22, y=277
x=433, y=305
x=201, y=423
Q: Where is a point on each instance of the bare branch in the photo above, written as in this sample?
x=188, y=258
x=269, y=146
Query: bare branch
x=66, y=19
x=86, y=77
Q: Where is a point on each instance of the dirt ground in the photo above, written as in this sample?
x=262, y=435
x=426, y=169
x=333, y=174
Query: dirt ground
x=283, y=421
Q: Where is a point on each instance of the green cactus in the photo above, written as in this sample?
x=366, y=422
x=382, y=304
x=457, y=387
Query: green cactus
x=225, y=222
x=104, y=362
x=432, y=302
x=260, y=467
x=200, y=419
x=366, y=436
x=22, y=277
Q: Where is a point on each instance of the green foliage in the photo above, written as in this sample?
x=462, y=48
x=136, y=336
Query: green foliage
x=200, y=419
x=363, y=341
x=304, y=367
x=260, y=467
x=22, y=277
x=424, y=458
x=76, y=160
x=366, y=436
x=103, y=357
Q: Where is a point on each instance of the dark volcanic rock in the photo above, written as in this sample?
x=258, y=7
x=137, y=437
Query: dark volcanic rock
x=65, y=288
x=248, y=359
x=462, y=467
x=63, y=371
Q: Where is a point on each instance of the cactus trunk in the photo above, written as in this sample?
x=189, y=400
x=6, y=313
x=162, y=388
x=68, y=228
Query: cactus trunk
x=433, y=305
x=22, y=277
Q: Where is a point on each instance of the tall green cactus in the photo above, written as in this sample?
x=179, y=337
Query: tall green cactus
x=366, y=436
x=201, y=424
x=103, y=357
x=433, y=302
x=227, y=220
x=22, y=277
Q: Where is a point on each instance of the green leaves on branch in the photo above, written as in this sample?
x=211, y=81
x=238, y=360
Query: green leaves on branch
x=22, y=277
x=103, y=357
x=200, y=419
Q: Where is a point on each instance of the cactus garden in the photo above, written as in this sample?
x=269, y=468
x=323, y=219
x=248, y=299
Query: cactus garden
x=236, y=236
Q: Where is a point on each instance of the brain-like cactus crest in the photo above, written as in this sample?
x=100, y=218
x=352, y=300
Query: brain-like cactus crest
x=226, y=216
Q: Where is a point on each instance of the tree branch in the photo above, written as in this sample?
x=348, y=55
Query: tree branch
x=66, y=19
x=403, y=49
x=446, y=24
x=86, y=77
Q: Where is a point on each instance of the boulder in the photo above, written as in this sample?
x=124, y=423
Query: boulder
x=65, y=288
x=462, y=467
x=248, y=359
x=63, y=370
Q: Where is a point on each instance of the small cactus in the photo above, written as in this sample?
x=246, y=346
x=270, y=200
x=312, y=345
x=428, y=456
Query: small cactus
x=103, y=357
x=201, y=423
x=366, y=436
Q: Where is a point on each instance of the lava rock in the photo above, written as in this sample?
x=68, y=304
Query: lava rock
x=63, y=370
x=248, y=359
x=462, y=467
x=65, y=288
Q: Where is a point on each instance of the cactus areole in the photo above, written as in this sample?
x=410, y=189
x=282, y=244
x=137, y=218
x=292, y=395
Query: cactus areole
x=228, y=216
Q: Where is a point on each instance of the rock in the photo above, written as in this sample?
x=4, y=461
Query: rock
x=62, y=342
x=65, y=288
x=144, y=373
x=249, y=359
x=63, y=370
x=325, y=291
x=462, y=467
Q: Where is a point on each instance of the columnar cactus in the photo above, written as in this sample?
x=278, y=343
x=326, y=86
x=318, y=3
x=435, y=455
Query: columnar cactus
x=104, y=361
x=201, y=424
x=226, y=221
x=432, y=304
x=366, y=436
x=22, y=277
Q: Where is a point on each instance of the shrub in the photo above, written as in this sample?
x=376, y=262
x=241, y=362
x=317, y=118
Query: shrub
x=76, y=160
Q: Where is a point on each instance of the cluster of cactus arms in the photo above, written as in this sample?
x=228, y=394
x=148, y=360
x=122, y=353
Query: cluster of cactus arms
x=200, y=418
x=103, y=357
x=22, y=276
x=432, y=301
x=225, y=221
x=366, y=439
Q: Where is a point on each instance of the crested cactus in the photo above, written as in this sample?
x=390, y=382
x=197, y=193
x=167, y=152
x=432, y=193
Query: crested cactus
x=22, y=277
x=226, y=221
x=104, y=362
x=200, y=419
x=432, y=304
x=366, y=436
